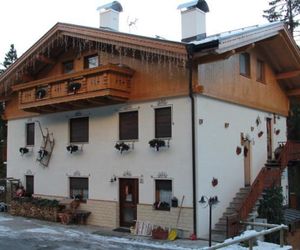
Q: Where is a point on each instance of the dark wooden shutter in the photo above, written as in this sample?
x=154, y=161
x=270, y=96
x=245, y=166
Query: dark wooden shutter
x=29, y=185
x=163, y=123
x=128, y=126
x=79, y=183
x=30, y=134
x=79, y=129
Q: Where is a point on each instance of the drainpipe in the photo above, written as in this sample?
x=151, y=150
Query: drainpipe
x=190, y=51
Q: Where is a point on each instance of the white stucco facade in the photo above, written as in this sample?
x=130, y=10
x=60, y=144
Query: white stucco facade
x=216, y=150
x=99, y=160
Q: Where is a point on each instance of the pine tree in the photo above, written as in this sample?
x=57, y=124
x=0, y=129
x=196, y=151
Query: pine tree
x=10, y=58
x=287, y=11
x=271, y=208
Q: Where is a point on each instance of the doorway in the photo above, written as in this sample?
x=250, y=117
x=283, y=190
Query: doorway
x=269, y=138
x=247, y=163
x=128, y=197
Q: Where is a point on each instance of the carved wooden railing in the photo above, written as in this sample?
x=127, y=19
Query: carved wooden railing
x=269, y=176
x=105, y=81
x=289, y=151
x=265, y=179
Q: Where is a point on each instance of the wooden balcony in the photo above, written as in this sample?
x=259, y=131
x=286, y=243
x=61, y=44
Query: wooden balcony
x=104, y=85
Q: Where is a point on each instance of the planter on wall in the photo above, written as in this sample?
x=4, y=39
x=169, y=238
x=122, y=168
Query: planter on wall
x=72, y=148
x=157, y=144
x=23, y=150
x=121, y=146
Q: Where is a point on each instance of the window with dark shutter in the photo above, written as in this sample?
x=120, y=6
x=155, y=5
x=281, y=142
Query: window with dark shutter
x=128, y=126
x=163, y=123
x=29, y=185
x=79, y=188
x=30, y=134
x=79, y=130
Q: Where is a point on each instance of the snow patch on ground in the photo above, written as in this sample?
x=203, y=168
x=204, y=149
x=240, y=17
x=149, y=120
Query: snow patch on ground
x=2, y=219
x=42, y=230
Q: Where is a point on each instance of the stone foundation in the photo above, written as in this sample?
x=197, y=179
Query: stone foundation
x=167, y=218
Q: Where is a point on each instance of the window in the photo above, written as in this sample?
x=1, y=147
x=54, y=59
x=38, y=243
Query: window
x=30, y=134
x=79, y=129
x=91, y=61
x=68, y=67
x=79, y=188
x=29, y=185
x=128, y=126
x=260, y=71
x=163, y=123
x=163, y=194
x=245, y=64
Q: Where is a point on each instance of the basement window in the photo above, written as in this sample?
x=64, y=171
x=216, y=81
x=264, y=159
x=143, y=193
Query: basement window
x=163, y=122
x=128, y=125
x=163, y=194
x=30, y=134
x=245, y=64
x=79, y=130
x=79, y=188
x=91, y=62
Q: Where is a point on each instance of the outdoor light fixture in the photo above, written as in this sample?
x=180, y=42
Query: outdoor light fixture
x=209, y=202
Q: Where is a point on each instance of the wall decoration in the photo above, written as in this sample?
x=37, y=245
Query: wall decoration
x=260, y=134
x=238, y=150
x=258, y=121
x=77, y=173
x=277, y=131
x=200, y=121
x=226, y=124
x=214, y=182
x=252, y=128
x=162, y=175
x=127, y=173
x=162, y=102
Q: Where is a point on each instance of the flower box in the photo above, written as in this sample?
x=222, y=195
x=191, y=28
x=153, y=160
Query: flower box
x=160, y=234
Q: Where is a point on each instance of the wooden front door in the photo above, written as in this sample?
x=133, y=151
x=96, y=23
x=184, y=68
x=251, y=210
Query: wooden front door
x=269, y=138
x=128, y=201
x=247, y=162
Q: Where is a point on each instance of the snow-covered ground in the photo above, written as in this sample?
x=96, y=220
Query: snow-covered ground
x=26, y=234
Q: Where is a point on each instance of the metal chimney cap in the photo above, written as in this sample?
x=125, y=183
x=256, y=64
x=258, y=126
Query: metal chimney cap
x=115, y=5
x=200, y=4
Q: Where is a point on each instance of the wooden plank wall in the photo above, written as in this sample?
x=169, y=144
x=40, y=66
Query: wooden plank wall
x=222, y=80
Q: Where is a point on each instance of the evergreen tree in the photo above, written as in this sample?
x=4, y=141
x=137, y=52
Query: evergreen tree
x=271, y=208
x=10, y=58
x=287, y=11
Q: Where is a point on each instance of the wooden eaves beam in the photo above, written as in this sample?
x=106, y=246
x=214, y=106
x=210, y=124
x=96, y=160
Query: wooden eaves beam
x=294, y=92
x=288, y=74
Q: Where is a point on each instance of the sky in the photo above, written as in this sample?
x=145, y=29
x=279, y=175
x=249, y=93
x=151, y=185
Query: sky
x=23, y=22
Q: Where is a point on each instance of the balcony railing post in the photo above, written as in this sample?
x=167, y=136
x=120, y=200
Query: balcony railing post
x=281, y=237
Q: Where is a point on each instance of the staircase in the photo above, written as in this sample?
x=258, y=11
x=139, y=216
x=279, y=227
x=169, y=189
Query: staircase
x=246, y=200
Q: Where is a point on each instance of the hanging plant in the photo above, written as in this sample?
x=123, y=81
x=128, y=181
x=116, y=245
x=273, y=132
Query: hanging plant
x=42, y=153
x=74, y=86
x=23, y=150
x=41, y=93
x=72, y=148
x=238, y=150
x=157, y=143
x=121, y=146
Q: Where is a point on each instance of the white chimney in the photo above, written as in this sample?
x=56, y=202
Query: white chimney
x=193, y=20
x=109, y=15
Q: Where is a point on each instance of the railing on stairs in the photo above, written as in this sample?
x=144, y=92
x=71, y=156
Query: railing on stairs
x=289, y=151
x=269, y=176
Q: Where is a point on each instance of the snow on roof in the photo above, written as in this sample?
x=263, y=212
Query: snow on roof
x=228, y=40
